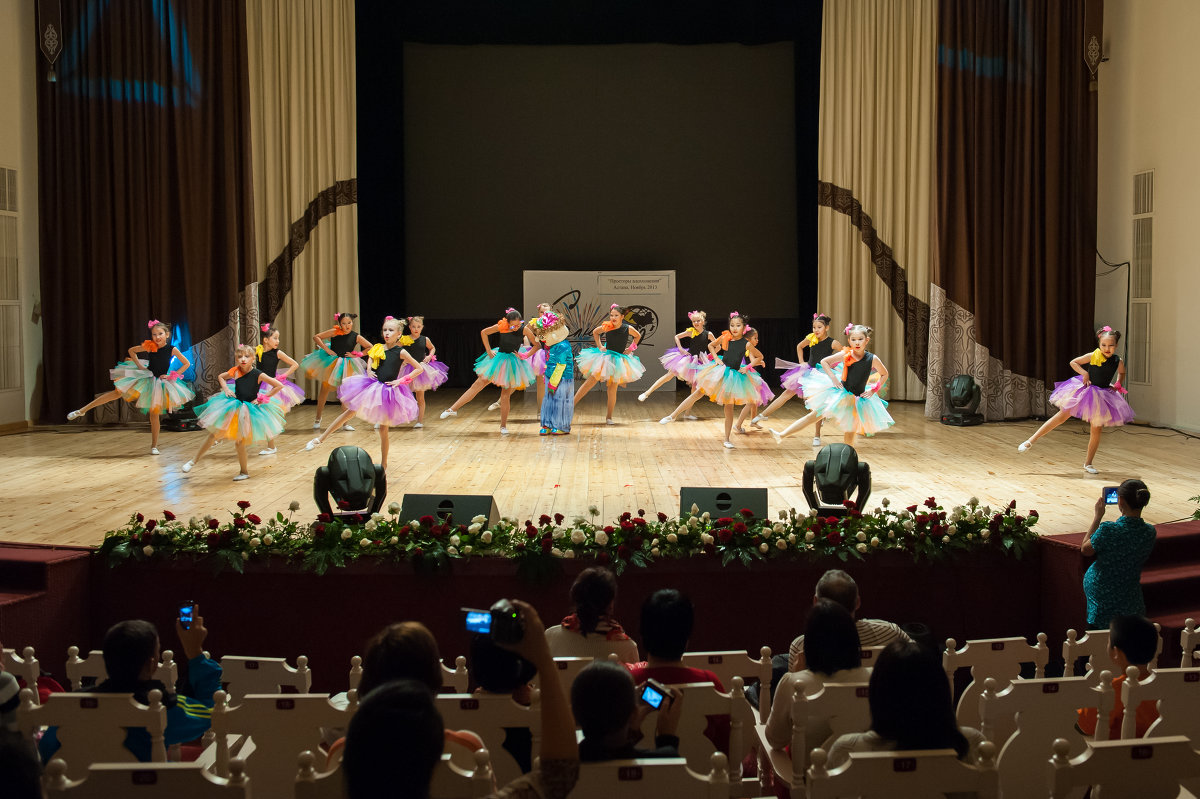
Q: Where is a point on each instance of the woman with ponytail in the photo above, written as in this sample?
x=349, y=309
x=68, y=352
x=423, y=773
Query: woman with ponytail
x=1112, y=584
x=591, y=630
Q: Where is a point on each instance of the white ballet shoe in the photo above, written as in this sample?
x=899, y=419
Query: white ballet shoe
x=317, y=425
x=348, y=428
x=503, y=431
x=642, y=397
x=729, y=445
x=762, y=417
x=1090, y=469
x=609, y=421
x=313, y=444
x=187, y=467
x=739, y=431
x=690, y=417
x=666, y=420
x=446, y=414
x=154, y=451
x=418, y=426
x=1024, y=445
x=775, y=434
x=495, y=406
x=73, y=415
x=268, y=451
x=376, y=427
x=816, y=441
x=241, y=476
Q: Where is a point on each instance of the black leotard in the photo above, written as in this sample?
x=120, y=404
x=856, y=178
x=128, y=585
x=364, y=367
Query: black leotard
x=418, y=349
x=160, y=361
x=734, y=355
x=819, y=352
x=343, y=344
x=698, y=345
x=854, y=378
x=617, y=339
x=511, y=342
x=1103, y=375
x=389, y=366
x=245, y=387
x=269, y=362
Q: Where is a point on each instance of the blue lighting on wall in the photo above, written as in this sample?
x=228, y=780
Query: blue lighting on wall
x=181, y=338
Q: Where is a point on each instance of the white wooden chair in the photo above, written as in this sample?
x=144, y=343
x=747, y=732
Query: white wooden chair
x=92, y=668
x=91, y=726
x=568, y=670
x=1177, y=692
x=729, y=664
x=145, y=781
x=449, y=780
x=869, y=655
x=652, y=778
x=845, y=707
x=487, y=715
x=268, y=730
x=456, y=678
x=1094, y=646
x=928, y=773
x=1028, y=715
x=24, y=665
x=245, y=675
x=998, y=658
x=1189, y=639
x=355, y=672
x=1148, y=768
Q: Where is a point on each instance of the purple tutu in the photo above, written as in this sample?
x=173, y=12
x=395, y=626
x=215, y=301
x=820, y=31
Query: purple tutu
x=537, y=360
x=378, y=403
x=765, y=395
x=431, y=378
x=1096, y=405
x=288, y=397
x=790, y=379
x=682, y=364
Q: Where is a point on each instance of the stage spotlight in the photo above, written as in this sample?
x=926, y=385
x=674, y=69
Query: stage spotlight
x=357, y=484
x=833, y=476
x=962, y=395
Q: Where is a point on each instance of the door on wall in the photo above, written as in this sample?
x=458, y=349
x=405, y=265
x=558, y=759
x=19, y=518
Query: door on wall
x=12, y=383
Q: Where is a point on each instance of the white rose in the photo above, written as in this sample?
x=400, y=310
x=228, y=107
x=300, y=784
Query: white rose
x=455, y=540
x=474, y=528
x=394, y=508
x=245, y=535
x=861, y=536
x=984, y=533
x=570, y=553
x=245, y=556
x=812, y=512
x=952, y=528
x=875, y=541
x=910, y=525
x=293, y=506
x=781, y=544
x=672, y=538
x=207, y=518
x=467, y=549
x=945, y=539
x=394, y=540
x=654, y=552
x=601, y=538
x=370, y=526
x=486, y=537
x=451, y=551
x=556, y=552
x=377, y=517
x=558, y=533
x=193, y=522
x=346, y=535
x=693, y=522
x=654, y=543
x=778, y=528
x=861, y=547
x=578, y=537
x=764, y=547
x=891, y=533
x=973, y=501
x=364, y=542
x=791, y=538
x=885, y=502
x=970, y=536
x=255, y=542
x=147, y=550
x=705, y=538
x=268, y=539
x=810, y=536
x=480, y=519
x=783, y=514
x=706, y=516
x=695, y=508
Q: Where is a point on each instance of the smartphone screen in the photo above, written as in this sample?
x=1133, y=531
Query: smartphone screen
x=652, y=696
x=479, y=621
x=187, y=612
x=1110, y=495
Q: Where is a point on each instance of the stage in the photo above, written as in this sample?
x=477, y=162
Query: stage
x=67, y=484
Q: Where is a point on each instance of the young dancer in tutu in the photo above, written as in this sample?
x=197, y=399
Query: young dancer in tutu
x=333, y=362
x=502, y=366
x=1092, y=395
x=268, y=357
x=612, y=362
x=536, y=356
x=765, y=395
x=845, y=398
x=420, y=347
x=558, y=406
x=240, y=413
x=150, y=384
x=820, y=346
x=681, y=362
x=381, y=396
x=730, y=378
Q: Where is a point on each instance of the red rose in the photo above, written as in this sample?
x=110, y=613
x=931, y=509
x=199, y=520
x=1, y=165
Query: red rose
x=168, y=516
x=834, y=538
x=608, y=528
x=1020, y=520
x=626, y=526
x=639, y=521
x=531, y=532
x=547, y=545
x=403, y=531
x=325, y=517
x=1033, y=513
x=140, y=518
x=603, y=556
x=378, y=543
x=755, y=540
x=623, y=552
x=818, y=524
x=710, y=549
x=831, y=521
x=462, y=528
x=544, y=520
x=626, y=516
x=739, y=527
x=519, y=546
x=1012, y=505
x=637, y=542
x=641, y=512
x=318, y=530
x=239, y=522
x=150, y=525
x=428, y=520
x=146, y=536
x=417, y=552
x=662, y=517
x=931, y=503
x=724, y=521
x=911, y=509
x=213, y=524
x=850, y=504
x=243, y=503
x=855, y=514
x=724, y=535
x=923, y=518
x=995, y=522
x=558, y=518
x=528, y=522
x=253, y=519
x=213, y=539
x=437, y=531
x=747, y=513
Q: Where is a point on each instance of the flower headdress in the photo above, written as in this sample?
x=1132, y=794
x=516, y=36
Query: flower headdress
x=265, y=326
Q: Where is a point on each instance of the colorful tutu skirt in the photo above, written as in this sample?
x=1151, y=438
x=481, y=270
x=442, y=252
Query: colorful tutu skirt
x=832, y=401
x=147, y=393
x=431, y=378
x=727, y=386
x=537, y=360
x=790, y=379
x=1096, y=405
x=607, y=366
x=682, y=364
x=378, y=403
x=289, y=396
x=230, y=418
x=505, y=369
x=331, y=369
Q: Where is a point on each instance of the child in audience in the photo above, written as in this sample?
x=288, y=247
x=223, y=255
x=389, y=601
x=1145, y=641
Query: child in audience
x=1132, y=641
x=605, y=702
x=591, y=631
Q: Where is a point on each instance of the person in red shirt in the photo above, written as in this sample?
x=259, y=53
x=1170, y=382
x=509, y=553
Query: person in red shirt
x=1132, y=641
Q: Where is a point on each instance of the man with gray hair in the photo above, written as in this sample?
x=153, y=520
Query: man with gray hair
x=838, y=586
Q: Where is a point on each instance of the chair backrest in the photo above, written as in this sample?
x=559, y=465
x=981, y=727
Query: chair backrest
x=842, y=707
x=737, y=663
x=488, y=716
x=277, y=726
x=24, y=665
x=92, y=668
x=145, y=781
x=456, y=678
x=998, y=658
x=1148, y=768
x=243, y=676
x=869, y=655
x=449, y=780
x=90, y=726
x=1189, y=639
x=701, y=700
x=653, y=779
x=1028, y=715
x=568, y=670
x=928, y=773
x=1094, y=646
x=1177, y=692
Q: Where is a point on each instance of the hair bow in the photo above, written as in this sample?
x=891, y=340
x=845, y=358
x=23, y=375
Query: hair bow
x=152, y=323
x=817, y=315
x=1106, y=329
x=510, y=310
x=337, y=316
x=265, y=326
x=733, y=314
x=693, y=313
x=849, y=327
x=389, y=316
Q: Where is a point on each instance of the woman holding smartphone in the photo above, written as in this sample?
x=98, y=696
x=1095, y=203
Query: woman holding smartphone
x=1112, y=583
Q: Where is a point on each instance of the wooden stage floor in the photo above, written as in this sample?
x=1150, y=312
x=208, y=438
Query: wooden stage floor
x=67, y=484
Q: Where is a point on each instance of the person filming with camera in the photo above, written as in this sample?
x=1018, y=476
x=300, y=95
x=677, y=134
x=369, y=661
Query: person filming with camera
x=1112, y=583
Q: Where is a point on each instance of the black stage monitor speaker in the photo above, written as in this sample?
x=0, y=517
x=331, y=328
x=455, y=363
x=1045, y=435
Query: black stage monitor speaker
x=723, y=501
x=461, y=507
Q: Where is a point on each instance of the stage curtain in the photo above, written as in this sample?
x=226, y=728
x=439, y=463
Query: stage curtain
x=875, y=184
x=142, y=184
x=1014, y=283
x=302, y=110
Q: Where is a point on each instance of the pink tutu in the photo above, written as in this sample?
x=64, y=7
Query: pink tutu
x=288, y=397
x=682, y=364
x=1096, y=405
x=790, y=379
x=537, y=360
x=378, y=403
x=431, y=378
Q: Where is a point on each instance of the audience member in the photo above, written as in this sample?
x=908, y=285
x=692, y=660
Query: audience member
x=1113, y=583
x=911, y=708
x=591, y=631
x=10, y=700
x=20, y=771
x=395, y=740
x=605, y=702
x=667, y=621
x=501, y=671
x=131, y=655
x=1132, y=641
x=840, y=587
x=834, y=656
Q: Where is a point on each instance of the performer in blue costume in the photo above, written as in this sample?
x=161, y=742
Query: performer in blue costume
x=558, y=405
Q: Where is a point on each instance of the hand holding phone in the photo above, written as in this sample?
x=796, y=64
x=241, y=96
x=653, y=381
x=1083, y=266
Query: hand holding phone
x=654, y=693
x=187, y=614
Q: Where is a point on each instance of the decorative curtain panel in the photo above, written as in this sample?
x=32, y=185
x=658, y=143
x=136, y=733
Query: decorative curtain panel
x=143, y=173
x=1014, y=282
x=876, y=162
x=302, y=111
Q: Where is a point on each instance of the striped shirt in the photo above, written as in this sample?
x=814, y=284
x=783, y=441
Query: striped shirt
x=871, y=632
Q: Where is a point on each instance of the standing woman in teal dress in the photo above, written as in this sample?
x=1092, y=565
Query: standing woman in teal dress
x=1112, y=583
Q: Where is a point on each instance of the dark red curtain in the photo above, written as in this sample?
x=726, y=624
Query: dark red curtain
x=144, y=183
x=1016, y=176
